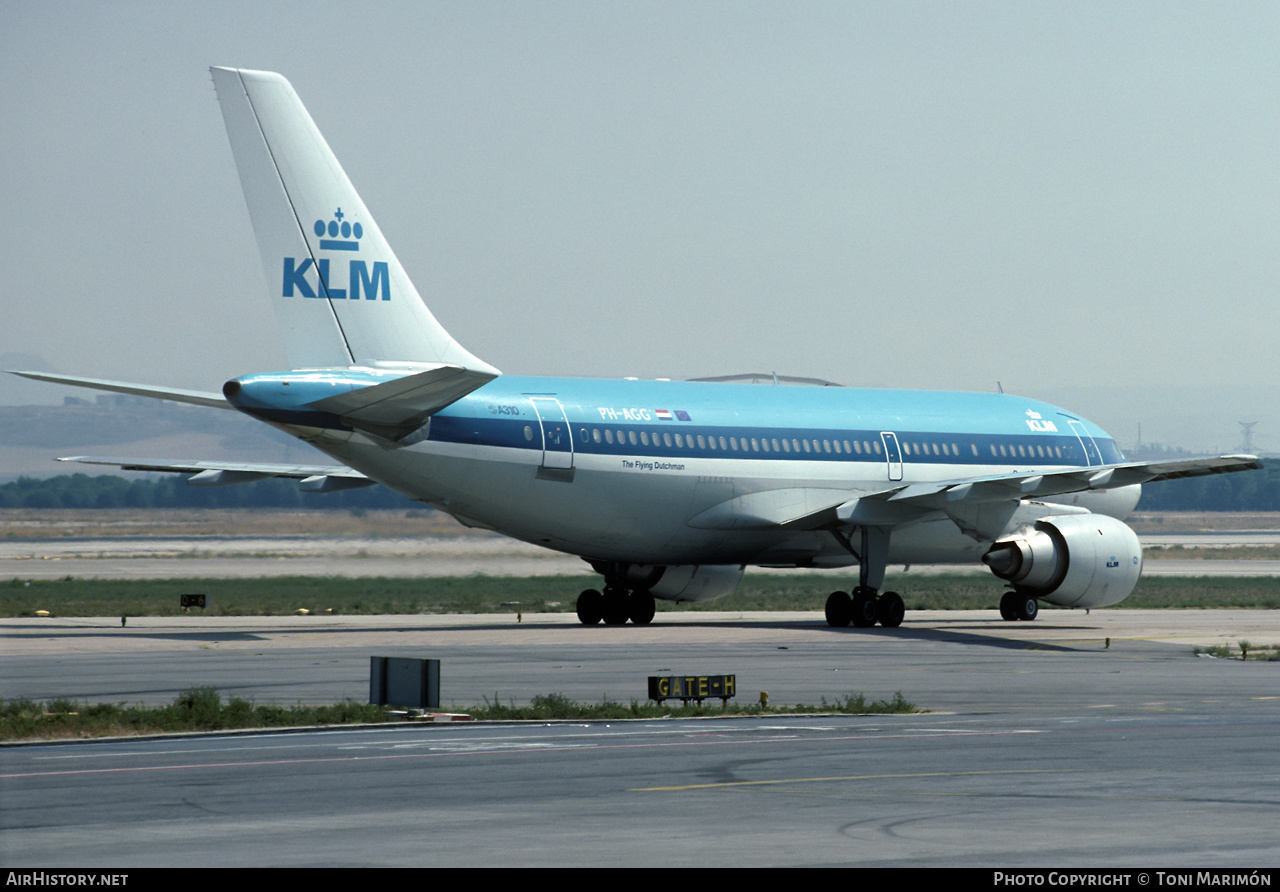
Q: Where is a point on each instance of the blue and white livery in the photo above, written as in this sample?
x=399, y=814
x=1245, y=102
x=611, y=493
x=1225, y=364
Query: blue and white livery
x=668, y=489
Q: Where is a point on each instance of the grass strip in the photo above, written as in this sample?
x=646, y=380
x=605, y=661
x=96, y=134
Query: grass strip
x=279, y=596
x=1266, y=653
x=202, y=709
x=557, y=706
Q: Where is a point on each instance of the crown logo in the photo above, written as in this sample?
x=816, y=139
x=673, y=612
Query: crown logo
x=350, y=232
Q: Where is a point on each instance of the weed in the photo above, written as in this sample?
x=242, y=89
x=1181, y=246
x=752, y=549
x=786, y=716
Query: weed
x=202, y=709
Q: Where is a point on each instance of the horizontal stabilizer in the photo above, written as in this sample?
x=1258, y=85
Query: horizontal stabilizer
x=315, y=478
x=177, y=395
x=397, y=408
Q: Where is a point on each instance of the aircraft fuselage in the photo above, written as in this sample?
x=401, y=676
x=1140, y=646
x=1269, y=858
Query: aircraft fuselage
x=662, y=473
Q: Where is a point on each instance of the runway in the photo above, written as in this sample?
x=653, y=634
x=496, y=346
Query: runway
x=1077, y=740
x=1064, y=789
x=1042, y=745
x=793, y=655
x=467, y=554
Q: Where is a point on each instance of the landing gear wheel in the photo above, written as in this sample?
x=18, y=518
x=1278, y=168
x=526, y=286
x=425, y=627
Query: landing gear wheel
x=1009, y=607
x=642, y=607
x=890, y=610
x=839, y=610
x=864, y=608
x=1028, y=608
x=590, y=607
x=615, y=610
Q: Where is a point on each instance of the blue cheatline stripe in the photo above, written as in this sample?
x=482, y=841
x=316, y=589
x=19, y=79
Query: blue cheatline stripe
x=509, y=433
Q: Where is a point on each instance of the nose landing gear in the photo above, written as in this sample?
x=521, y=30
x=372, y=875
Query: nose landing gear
x=1019, y=606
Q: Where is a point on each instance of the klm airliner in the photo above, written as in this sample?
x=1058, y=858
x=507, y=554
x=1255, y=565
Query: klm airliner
x=667, y=489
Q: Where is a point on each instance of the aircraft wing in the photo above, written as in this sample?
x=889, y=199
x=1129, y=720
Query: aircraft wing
x=177, y=395
x=315, y=478
x=1030, y=485
x=807, y=508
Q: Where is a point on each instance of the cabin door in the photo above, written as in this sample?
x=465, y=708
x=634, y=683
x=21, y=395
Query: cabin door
x=557, y=439
x=1091, y=454
x=892, y=454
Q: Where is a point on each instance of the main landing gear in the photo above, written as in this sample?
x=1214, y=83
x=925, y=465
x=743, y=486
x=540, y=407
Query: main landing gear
x=1019, y=606
x=615, y=605
x=864, y=609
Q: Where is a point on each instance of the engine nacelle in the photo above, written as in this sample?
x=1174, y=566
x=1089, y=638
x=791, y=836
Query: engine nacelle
x=1073, y=560
x=691, y=582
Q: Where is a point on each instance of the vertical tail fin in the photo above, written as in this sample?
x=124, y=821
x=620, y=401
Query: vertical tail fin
x=339, y=293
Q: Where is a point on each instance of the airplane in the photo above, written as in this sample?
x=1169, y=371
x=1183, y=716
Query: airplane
x=668, y=489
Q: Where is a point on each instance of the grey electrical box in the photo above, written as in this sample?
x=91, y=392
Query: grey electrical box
x=400, y=681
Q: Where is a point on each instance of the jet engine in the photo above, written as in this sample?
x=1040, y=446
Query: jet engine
x=1073, y=560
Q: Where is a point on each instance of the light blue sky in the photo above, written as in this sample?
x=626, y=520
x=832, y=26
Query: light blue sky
x=1080, y=200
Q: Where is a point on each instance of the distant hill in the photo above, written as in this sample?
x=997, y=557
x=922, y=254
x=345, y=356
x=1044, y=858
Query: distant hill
x=171, y=491
x=31, y=437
